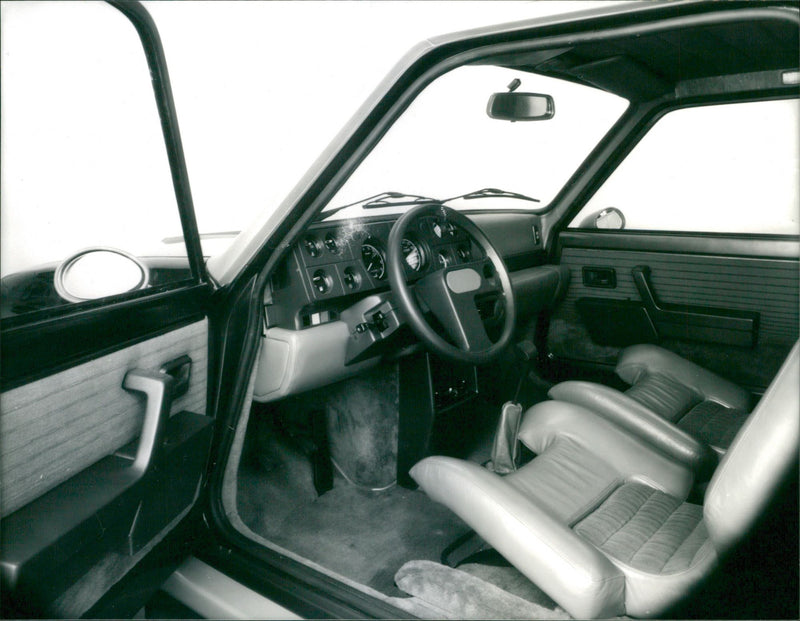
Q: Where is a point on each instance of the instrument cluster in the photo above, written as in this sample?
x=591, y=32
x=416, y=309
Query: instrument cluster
x=349, y=257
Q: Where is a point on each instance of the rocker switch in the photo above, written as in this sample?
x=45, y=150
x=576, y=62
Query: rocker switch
x=379, y=321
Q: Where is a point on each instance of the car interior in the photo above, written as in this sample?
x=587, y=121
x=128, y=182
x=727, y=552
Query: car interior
x=480, y=406
x=598, y=424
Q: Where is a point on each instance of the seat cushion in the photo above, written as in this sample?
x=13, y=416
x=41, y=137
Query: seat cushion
x=639, y=362
x=571, y=571
x=659, y=542
x=663, y=395
x=702, y=411
x=567, y=479
x=714, y=424
x=646, y=529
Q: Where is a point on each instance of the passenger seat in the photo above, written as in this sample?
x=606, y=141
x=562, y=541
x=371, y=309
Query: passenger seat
x=679, y=405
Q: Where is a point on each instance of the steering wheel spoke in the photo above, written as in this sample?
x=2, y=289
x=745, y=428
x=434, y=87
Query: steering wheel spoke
x=490, y=280
x=455, y=310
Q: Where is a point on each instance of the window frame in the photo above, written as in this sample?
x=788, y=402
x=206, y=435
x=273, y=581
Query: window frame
x=149, y=38
x=623, y=138
x=638, y=136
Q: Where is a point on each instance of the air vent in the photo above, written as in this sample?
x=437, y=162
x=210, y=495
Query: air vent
x=351, y=278
x=331, y=243
x=312, y=246
x=321, y=281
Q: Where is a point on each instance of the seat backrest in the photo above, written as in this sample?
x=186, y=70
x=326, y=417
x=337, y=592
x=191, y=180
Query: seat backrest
x=760, y=457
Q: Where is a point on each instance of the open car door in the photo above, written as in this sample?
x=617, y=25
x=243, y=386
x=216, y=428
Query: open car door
x=104, y=426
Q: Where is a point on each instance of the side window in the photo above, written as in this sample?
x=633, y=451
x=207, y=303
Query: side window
x=719, y=169
x=84, y=164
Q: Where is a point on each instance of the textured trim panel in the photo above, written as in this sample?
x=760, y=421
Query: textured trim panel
x=55, y=427
x=769, y=287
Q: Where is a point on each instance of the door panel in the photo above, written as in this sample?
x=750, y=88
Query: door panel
x=103, y=412
x=735, y=283
x=80, y=507
x=59, y=425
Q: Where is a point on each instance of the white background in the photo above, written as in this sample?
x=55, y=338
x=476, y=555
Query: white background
x=261, y=88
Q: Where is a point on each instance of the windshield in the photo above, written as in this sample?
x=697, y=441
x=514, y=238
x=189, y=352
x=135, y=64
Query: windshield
x=445, y=146
x=67, y=155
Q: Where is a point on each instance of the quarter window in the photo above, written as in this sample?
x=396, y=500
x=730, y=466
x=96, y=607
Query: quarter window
x=721, y=169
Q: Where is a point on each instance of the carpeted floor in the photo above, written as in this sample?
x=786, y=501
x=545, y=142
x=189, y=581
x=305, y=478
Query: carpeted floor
x=360, y=534
x=366, y=536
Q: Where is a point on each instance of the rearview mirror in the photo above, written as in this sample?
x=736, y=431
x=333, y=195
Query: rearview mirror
x=521, y=107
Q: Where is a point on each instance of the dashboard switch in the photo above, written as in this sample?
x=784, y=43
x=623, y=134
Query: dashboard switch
x=379, y=321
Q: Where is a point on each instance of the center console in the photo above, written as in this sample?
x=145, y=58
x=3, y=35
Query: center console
x=429, y=387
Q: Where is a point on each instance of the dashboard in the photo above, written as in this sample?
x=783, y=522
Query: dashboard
x=333, y=263
x=329, y=312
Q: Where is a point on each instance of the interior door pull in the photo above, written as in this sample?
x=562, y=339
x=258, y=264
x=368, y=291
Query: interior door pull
x=157, y=389
x=605, y=277
x=180, y=370
x=641, y=278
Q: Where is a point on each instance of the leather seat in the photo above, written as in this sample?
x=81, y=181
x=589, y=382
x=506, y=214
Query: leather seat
x=668, y=397
x=599, y=519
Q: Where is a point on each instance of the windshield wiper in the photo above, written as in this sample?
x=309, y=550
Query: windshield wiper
x=384, y=199
x=492, y=192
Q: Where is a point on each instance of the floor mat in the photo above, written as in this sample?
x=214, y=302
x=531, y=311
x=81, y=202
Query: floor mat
x=460, y=595
x=491, y=567
x=366, y=536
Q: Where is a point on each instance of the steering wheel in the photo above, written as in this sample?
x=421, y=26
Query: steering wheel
x=450, y=292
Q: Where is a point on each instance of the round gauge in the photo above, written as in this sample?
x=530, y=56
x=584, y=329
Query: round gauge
x=437, y=230
x=373, y=260
x=412, y=254
x=444, y=258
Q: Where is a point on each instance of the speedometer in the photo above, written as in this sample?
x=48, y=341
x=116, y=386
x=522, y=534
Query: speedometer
x=411, y=254
x=373, y=260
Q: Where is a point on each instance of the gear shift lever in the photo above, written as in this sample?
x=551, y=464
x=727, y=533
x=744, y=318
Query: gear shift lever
x=505, y=449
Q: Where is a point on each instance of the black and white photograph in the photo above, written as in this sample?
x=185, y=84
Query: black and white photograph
x=395, y=309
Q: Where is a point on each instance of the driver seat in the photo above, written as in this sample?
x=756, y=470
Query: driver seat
x=599, y=519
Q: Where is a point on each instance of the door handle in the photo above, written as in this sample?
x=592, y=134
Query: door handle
x=605, y=277
x=180, y=370
x=641, y=278
x=157, y=389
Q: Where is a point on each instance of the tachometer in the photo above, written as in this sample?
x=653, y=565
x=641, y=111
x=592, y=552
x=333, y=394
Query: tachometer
x=412, y=254
x=373, y=261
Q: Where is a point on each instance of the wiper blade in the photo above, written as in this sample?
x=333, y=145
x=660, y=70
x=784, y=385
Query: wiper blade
x=384, y=199
x=392, y=199
x=492, y=192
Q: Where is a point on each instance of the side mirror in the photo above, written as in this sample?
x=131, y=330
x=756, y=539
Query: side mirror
x=608, y=218
x=521, y=107
x=99, y=272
